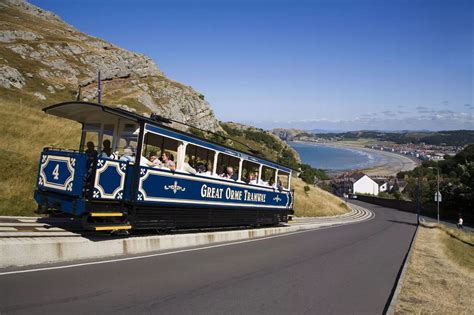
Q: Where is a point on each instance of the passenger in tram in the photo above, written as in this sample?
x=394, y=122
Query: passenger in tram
x=151, y=161
x=279, y=185
x=271, y=183
x=91, y=154
x=91, y=151
x=251, y=178
x=107, y=150
x=167, y=159
x=203, y=169
x=128, y=155
x=229, y=173
x=188, y=167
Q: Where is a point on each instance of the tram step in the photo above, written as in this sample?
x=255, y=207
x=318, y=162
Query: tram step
x=111, y=227
x=106, y=214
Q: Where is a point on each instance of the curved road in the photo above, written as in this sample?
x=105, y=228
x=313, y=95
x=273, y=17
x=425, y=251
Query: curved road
x=347, y=269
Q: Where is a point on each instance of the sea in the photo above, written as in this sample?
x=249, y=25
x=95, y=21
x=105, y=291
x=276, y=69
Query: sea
x=335, y=159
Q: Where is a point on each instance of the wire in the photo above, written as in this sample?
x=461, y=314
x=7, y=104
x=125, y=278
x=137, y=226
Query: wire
x=168, y=120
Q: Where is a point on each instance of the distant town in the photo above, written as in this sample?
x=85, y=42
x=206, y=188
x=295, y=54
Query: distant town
x=421, y=151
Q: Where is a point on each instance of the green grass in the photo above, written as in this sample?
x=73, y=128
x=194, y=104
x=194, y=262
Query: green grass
x=459, y=246
x=24, y=131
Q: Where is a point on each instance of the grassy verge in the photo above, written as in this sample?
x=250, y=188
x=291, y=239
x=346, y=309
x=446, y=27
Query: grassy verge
x=440, y=273
x=316, y=202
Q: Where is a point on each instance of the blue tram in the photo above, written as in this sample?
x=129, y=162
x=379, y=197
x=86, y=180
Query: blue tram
x=117, y=180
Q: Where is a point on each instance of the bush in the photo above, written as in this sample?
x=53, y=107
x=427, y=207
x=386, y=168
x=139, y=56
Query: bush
x=309, y=174
x=306, y=189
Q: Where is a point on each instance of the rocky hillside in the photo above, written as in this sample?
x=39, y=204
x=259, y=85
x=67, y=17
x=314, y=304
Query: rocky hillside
x=44, y=60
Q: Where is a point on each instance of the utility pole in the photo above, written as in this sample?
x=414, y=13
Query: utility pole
x=438, y=194
x=418, y=201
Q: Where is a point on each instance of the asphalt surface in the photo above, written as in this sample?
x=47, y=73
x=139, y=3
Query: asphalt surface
x=348, y=269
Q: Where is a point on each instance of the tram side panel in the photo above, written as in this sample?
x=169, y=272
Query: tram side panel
x=182, y=200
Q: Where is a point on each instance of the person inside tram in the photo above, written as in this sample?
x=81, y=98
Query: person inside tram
x=91, y=155
x=91, y=152
x=251, y=178
x=167, y=159
x=189, y=166
x=128, y=155
x=152, y=160
x=279, y=185
x=229, y=173
x=106, y=150
x=271, y=182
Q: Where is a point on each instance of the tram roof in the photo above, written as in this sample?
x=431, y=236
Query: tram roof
x=87, y=112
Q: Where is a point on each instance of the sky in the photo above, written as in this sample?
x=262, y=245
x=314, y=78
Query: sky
x=326, y=65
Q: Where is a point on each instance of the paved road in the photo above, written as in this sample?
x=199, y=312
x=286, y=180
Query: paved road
x=339, y=270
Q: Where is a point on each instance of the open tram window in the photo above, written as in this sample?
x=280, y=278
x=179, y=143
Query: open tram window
x=268, y=176
x=250, y=172
x=90, y=133
x=283, y=180
x=228, y=166
x=200, y=159
x=154, y=146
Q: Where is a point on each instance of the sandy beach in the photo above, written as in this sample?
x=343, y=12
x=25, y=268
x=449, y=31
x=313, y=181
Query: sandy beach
x=390, y=163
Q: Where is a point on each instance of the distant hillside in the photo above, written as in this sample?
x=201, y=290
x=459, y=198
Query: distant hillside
x=450, y=137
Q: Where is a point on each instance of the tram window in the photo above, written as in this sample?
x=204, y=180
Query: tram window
x=90, y=133
x=158, y=144
x=250, y=172
x=200, y=159
x=283, y=179
x=223, y=162
x=268, y=176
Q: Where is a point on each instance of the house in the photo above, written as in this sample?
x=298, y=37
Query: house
x=383, y=184
x=357, y=183
x=363, y=184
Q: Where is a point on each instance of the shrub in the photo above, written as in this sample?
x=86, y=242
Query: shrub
x=306, y=189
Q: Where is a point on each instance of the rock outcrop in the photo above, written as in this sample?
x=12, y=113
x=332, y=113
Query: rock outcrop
x=48, y=60
x=10, y=77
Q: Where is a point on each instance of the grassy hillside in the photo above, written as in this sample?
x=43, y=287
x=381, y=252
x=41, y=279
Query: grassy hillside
x=315, y=202
x=24, y=131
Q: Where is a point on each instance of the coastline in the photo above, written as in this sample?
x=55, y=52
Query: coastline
x=392, y=164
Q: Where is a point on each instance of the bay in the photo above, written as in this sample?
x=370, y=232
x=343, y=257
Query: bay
x=332, y=158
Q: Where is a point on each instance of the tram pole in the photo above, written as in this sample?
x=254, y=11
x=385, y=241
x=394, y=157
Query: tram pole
x=98, y=88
